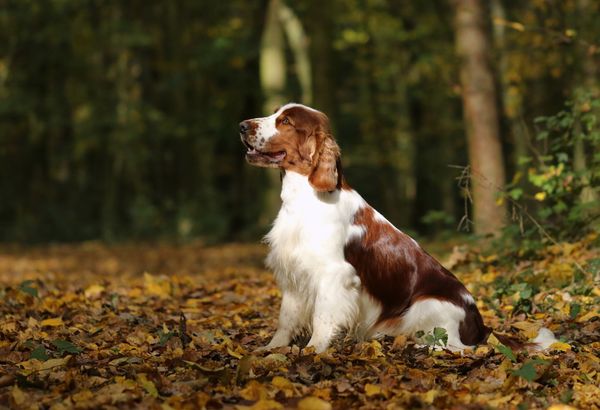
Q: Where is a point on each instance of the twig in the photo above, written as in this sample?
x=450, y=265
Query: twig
x=183, y=336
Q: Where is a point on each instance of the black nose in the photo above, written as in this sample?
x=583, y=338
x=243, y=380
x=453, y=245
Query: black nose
x=244, y=127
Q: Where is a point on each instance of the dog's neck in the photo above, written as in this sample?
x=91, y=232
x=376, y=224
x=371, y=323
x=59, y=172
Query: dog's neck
x=296, y=189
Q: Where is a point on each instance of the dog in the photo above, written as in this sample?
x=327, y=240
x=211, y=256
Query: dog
x=340, y=265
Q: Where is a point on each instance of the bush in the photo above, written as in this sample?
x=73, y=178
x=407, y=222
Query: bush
x=563, y=175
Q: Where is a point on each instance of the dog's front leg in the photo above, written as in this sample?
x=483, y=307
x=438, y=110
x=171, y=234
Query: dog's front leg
x=336, y=307
x=292, y=319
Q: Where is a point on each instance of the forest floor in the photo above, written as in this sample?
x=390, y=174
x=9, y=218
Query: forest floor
x=164, y=326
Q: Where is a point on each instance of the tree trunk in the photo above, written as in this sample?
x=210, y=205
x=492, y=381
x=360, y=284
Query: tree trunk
x=480, y=114
x=299, y=44
x=320, y=26
x=511, y=91
x=588, y=83
x=273, y=69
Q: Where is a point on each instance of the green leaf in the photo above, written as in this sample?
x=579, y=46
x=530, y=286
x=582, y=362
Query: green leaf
x=39, y=353
x=148, y=385
x=574, y=310
x=507, y=352
x=516, y=193
x=66, y=346
x=26, y=288
x=163, y=337
x=526, y=293
x=527, y=371
x=440, y=335
x=566, y=396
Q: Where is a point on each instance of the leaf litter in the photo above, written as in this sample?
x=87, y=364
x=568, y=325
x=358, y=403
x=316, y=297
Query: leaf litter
x=92, y=325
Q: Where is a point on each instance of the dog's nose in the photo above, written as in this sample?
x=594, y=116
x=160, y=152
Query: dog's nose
x=244, y=127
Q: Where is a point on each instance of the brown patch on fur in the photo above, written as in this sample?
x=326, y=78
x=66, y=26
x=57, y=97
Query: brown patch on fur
x=397, y=272
x=310, y=148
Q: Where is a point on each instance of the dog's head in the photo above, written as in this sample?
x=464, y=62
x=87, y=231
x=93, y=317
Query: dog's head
x=296, y=138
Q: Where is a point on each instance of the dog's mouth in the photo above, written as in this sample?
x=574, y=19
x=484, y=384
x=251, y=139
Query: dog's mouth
x=253, y=155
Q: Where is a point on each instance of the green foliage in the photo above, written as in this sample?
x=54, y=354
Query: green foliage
x=507, y=352
x=528, y=370
x=118, y=119
x=437, y=337
x=520, y=287
x=562, y=199
x=26, y=287
x=560, y=180
x=164, y=335
x=39, y=353
x=64, y=346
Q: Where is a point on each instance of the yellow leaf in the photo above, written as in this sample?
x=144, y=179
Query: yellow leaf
x=148, y=385
x=253, y=391
x=264, y=404
x=563, y=347
x=540, y=196
x=499, y=401
x=8, y=327
x=482, y=350
x=157, y=285
x=57, y=321
x=82, y=396
x=430, y=396
x=587, y=316
x=52, y=363
x=372, y=389
x=93, y=291
x=322, y=393
x=234, y=353
x=17, y=395
x=530, y=329
x=283, y=385
x=34, y=365
x=492, y=340
x=313, y=403
x=517, y=26
x=561, y=407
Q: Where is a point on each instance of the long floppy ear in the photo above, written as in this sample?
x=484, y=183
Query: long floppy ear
x=324, y=176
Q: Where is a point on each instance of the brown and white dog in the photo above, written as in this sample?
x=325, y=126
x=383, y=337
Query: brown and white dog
x=341, y=266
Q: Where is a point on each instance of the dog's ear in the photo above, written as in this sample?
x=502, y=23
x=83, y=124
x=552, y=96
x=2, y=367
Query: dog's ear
x=324, y=176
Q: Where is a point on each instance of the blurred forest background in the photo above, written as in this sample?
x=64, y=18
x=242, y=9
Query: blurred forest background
x=118, y=120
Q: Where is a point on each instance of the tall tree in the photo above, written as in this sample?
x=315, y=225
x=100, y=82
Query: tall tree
x=281, y=19
x=272, y=66
x=480, y=113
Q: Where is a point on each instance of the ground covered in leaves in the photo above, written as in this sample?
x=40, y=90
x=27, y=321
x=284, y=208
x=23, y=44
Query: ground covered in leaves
x=161, y=326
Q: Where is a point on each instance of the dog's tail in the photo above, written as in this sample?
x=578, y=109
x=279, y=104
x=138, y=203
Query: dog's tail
x=542, y=341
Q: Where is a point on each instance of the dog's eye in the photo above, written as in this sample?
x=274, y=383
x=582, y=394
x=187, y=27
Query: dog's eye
x=285, y=120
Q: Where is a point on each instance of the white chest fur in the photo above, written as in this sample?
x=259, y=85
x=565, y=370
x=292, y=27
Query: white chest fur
x=320, y=290
x=310, y=232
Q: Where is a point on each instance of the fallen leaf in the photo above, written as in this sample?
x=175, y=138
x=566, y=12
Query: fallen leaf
x=148, y=385
x=93, y=291
x=372, y=390
x=57, y=321
x=313, y=403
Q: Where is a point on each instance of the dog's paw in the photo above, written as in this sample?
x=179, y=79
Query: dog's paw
x=262, y=349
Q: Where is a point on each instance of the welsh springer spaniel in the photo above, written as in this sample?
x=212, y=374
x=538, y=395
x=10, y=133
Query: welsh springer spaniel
x=339, y=263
